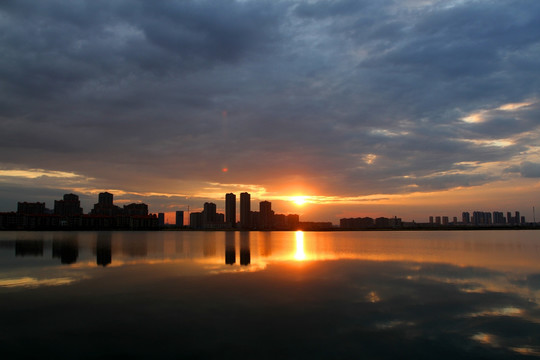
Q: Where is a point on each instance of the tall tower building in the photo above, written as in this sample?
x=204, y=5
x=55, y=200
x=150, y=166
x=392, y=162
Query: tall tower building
x=230, y=209
x=265, y=215
x=509, y=218
x=466, y=217
x=245, y=211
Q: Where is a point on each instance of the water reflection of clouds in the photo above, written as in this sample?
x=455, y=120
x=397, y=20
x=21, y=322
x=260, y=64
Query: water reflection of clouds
x=355, y=301
x=425, y=307
x=30, y=282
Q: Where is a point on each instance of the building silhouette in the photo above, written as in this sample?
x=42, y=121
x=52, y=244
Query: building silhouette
x=498, y=218
x=31, y=208
x=136, y=209
x=209, y=213
x=69, y=206
x=179, y=218
x=245, y=211
x=105, y=205
x=266, y=215
x=230, y=210
x=196, y=220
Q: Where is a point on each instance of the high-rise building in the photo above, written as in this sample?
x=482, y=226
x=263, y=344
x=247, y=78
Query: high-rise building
x=161, y=219
x=438, y=220
x=179, y=218
x=431, y=220
x=517, y=218
x=509, y=218
x=69, y=206
x=196, y=220
x=445, y=220
x=466, y=217
x=105, y=205
x=481, y=218
x=498, y=218
x=209, y=213
x=230, y=210
x=265, y=215
x=245, y=211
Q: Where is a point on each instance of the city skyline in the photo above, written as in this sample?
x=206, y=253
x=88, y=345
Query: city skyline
x=68, y=212
x=328, y=109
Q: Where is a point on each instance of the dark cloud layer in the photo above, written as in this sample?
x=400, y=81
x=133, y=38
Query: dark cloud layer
x=358, y=97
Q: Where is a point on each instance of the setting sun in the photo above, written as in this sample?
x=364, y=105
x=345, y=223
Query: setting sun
x=298, y=200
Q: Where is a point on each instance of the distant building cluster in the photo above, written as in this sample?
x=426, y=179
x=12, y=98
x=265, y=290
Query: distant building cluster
x=477, y=219
x=480, y=218
x=68, y=214
x=370, y=223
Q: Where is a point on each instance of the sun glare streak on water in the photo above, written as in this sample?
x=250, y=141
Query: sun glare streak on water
x=300, y=254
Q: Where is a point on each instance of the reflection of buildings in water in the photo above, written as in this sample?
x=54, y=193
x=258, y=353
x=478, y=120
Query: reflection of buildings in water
x=29, y=247
x=245, y=252
x=179, y=246
x=209, y=245
x=7, y=244
x=66, y=249
x=230, y=248
x=103, y=249
x=136, y=246
x=265, y=244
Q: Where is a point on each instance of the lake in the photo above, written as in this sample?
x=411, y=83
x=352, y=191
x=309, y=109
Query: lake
x=270, y=295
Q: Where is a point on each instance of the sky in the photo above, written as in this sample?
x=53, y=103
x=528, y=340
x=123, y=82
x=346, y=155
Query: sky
x=405, y=108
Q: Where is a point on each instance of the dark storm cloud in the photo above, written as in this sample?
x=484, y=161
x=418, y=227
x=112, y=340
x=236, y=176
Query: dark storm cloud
x=127, y=90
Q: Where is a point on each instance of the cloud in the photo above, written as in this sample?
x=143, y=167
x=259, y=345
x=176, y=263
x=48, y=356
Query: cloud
x=527, y=169
x=133, y=96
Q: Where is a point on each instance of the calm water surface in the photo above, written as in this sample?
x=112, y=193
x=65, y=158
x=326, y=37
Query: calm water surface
x=270, y=295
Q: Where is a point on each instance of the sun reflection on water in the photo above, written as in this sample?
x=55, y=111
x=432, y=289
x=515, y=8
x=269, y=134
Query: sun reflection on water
x=300, y=254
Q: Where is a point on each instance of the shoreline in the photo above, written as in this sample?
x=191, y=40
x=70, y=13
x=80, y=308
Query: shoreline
x=449, y=228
